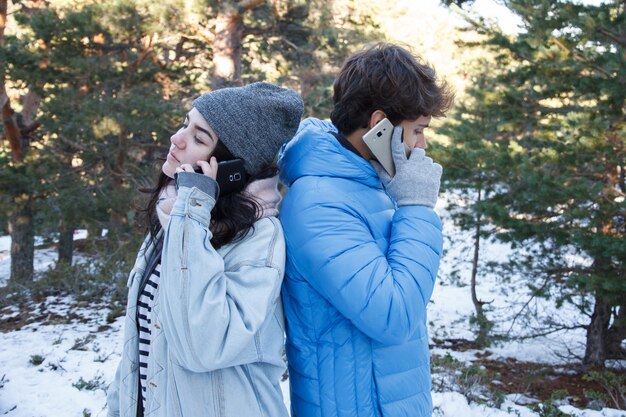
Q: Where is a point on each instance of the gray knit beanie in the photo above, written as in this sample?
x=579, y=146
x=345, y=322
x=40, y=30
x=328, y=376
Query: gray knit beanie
x=252, y=121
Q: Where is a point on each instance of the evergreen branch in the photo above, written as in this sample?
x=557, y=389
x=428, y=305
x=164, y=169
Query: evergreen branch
x=147, y=50
x=150, y=145
x=621, y=40
x=564, y=271
x=72, y=143
x=582, y=57
x=259, y=31
x=582, y=308
x=564, y=110
x=110, y=48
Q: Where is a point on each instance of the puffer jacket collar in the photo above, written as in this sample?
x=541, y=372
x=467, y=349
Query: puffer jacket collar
x=315, y=151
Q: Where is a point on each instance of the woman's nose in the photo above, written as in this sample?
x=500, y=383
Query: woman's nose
x=178, y=139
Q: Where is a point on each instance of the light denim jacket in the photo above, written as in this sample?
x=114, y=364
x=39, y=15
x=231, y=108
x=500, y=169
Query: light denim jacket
x=217, y=322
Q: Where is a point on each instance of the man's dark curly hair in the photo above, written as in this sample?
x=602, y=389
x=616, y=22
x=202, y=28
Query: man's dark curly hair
x=386, y=77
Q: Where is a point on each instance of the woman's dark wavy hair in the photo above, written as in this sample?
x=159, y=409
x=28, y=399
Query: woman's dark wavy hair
x=386, y=77
x=232, y=216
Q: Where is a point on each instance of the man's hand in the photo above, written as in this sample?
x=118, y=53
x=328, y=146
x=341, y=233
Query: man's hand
x=417, y=177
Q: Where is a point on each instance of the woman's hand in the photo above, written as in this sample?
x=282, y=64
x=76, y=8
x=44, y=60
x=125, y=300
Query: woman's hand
x=208, y=168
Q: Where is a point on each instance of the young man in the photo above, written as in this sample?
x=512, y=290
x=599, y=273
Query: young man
x=363, y=249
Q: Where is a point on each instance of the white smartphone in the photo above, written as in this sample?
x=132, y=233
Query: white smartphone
x=378, y=140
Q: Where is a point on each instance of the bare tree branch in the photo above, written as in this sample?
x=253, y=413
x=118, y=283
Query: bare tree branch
x=519, y=313
x=546, y=332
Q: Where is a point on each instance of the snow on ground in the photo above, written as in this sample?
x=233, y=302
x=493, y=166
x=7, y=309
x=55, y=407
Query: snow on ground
x=71, y=355
x=62, y=370
x=453, y=404
x=451, y=303
x=44, y=258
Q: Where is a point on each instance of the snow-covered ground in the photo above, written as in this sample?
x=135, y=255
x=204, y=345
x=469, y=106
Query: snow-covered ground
x=510, y=304
x=62, y=370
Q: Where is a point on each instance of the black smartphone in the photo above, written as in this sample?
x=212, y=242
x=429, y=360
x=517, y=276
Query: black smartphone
x=231, y=176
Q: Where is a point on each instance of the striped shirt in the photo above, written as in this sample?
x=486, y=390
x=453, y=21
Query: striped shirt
x=144, y=306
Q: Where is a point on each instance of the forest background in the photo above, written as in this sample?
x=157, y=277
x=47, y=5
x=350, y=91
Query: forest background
x=533, y=150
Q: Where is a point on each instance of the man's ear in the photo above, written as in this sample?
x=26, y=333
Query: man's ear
x=376, y=117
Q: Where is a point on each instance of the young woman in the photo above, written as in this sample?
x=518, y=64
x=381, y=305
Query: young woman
x=204, y=325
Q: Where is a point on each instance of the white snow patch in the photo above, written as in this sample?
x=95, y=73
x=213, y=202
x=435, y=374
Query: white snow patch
x=50, y=389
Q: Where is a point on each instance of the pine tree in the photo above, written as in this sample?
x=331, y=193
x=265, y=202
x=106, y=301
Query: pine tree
x=559, y=106
x=302, y=44
x=102, y=88
x=18, y=129
x=475, y=165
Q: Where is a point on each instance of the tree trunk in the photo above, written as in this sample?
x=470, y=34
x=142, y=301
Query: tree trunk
x=21, y=229
x=118, y=220
x=482, y=339
x=11, y=130
x=595, y=352
x=227, y=45
x=3, y=20
x=227, y=48
x=66, y=243
x=616, y=335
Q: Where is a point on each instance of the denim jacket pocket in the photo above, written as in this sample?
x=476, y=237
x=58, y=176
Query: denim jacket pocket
x=131, y=277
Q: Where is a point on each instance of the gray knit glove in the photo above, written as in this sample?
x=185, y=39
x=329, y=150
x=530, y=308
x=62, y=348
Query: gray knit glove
x=417, y=177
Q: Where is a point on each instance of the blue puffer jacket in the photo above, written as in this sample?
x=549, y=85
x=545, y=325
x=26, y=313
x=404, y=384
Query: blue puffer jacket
x=359, y=275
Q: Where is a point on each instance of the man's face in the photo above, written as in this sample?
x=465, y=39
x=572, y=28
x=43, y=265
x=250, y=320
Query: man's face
x=414, y=132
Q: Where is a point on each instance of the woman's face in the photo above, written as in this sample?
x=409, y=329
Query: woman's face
x=195, y=141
